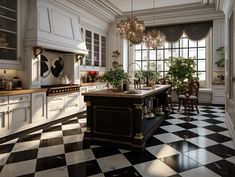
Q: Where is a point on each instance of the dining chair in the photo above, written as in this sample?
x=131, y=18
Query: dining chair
x=188, y=97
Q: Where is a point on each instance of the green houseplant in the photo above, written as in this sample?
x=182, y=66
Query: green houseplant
x=147, y=75
x=115, y=77
x=181, y=70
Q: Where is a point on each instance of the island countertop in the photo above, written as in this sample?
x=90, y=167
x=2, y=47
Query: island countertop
x=143, y=92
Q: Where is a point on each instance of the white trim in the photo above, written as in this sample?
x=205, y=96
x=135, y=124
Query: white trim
x=230, y=126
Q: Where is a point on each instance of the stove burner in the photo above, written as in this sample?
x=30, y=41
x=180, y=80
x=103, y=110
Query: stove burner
x=61, y=88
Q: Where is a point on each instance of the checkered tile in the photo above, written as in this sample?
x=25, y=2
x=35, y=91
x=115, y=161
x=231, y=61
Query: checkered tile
x=184, y=146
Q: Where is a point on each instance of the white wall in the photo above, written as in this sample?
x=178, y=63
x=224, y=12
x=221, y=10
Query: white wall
x=229, y=8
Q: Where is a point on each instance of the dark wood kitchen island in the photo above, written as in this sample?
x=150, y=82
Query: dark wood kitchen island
x=119, y=119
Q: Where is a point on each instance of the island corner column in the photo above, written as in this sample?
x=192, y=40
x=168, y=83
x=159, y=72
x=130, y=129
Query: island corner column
x=88, y=130
x=138, y=119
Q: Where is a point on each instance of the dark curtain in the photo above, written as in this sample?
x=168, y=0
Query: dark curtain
x=194, y=31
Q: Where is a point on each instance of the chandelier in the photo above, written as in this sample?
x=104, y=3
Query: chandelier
x=154, y=38
x=131, y=29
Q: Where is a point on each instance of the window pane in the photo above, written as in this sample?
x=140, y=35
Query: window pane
x=138, y=46
x=167, y=54
x=201, y=53
x=167, y=45
x=175, y=45
x=138, y=65
x=145, y=65
x=193, y=53
x=144, y=47
x=201, y=65
x=192, y=43
x=138, y=55
x=159, y=54
x=152, y=65
x=202, y=43
x=152, y=54
x=175, y=52
x=144, y=55
x=160, y=66
x=184, y=53
x=183, y=43
x=202, y=75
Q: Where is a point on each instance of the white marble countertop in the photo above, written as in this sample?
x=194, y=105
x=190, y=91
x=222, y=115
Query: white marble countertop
x=143, y=92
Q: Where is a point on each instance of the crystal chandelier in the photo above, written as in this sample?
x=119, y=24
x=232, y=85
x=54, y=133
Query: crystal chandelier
x=131, y=29
x=155, y=38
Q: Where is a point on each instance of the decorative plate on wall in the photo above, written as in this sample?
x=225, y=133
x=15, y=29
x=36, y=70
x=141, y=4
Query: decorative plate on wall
x=44, y=67
x=57, y=67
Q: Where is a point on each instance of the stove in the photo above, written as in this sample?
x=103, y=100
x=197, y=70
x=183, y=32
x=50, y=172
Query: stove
x=57, y=89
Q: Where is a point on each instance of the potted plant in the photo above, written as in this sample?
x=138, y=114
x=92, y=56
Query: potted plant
x=181, y=70
x=115, y=77
x=149, y=76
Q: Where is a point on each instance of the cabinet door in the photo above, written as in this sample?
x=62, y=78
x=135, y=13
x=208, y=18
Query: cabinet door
x=71, y=104
x=96, y=49
x=82, y=103
x=19, y=114
x=3, y=118
x=38, y=104
x=103, y=51
x=55, y=105
x=88, y=36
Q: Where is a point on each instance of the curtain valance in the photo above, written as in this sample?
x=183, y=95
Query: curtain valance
x=194, y=31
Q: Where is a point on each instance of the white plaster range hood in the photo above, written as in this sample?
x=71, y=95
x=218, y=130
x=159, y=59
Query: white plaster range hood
x=52, y=26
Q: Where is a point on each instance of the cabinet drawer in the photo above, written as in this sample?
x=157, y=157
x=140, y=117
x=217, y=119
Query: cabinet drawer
x=19, y=98
x=71, y=98
x=3, y=100
x=55, y=102
x=220, y=93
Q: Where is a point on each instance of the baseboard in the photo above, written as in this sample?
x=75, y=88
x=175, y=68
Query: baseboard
x=230, y=126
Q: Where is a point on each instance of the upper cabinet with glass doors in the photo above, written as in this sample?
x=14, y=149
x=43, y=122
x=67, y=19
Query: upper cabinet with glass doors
x=8, y=30
x=96, y=46
x=11, y=43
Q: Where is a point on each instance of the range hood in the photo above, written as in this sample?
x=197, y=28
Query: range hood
x=52, y=26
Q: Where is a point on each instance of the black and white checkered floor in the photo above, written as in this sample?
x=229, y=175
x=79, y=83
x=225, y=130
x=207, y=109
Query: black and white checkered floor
x=197, y=145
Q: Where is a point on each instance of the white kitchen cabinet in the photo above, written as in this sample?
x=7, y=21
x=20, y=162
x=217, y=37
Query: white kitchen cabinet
x=71, y=103
x=82, y=103
x=63, y=105
x=38, y=106
x=18, y=111
x=4, y=113
x=55, y=106
x=11, y=29
x=218, y=94
x=3, y=117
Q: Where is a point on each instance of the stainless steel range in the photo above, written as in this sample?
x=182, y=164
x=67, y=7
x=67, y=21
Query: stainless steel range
x=61, y=88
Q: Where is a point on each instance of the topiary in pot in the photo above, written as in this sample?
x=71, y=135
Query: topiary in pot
x=181, y=70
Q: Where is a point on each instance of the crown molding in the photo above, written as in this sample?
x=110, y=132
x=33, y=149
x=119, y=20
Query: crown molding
x=178, y=14
x=101, y=9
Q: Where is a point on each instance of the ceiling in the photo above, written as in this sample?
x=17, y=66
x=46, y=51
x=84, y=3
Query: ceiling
x=125, y=5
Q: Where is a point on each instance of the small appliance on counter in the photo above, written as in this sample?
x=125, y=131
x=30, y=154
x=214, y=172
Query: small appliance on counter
x=17, y=84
